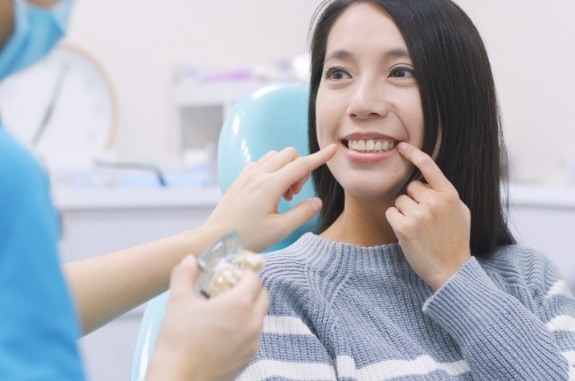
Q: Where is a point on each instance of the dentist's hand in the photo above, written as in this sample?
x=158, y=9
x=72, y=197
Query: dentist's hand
x=211, y=339
x=250, y=205
x=431, y=222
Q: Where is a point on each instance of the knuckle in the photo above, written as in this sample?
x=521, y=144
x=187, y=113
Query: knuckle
x=433, y=204
x=452, y=196
x=291, y=151
x=466, y=211
x=248, y=169
x=260, y=181
x=411, y=187
x=401, y=199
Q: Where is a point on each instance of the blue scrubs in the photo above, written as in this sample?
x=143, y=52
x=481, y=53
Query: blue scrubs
x=38, y=324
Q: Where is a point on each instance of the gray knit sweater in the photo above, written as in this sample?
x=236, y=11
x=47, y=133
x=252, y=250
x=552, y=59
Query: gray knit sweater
x=343, y=312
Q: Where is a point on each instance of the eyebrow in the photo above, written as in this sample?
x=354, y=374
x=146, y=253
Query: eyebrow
x=344, y=55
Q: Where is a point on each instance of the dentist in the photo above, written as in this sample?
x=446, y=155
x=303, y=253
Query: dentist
x=43, y=312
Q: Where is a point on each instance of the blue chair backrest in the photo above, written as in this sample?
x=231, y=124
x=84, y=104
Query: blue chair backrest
x=270, y=118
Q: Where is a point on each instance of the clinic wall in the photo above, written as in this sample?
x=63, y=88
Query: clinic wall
x=530, y=43
x=140, y=42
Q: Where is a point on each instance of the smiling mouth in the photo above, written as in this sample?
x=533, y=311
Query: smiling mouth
x=370, y=145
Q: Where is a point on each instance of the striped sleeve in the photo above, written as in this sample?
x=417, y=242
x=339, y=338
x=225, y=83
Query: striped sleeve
x=557, y=311
x=502, y=339
x=289, y=351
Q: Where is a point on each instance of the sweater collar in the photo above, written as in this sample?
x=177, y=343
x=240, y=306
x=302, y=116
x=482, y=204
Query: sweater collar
x=320, y=253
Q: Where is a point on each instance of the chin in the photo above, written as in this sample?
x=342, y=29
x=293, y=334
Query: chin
x=373, y=185
x=373, y=191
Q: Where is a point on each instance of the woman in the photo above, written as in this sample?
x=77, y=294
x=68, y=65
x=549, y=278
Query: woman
x=414, y=275
x=207, y=340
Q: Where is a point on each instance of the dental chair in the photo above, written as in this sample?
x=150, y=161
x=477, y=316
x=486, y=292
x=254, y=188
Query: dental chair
x=270, y=118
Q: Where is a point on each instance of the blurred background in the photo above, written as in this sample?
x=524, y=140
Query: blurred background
x=165, y=61
x=143, y=44
x=126, y=115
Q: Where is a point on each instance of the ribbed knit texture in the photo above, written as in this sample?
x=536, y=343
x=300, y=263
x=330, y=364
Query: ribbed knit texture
x=344, y=312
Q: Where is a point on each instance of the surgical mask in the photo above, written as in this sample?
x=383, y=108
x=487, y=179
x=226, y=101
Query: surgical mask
x=36, y=32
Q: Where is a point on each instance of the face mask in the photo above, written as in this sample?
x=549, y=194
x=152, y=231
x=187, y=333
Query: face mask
x=36, y=32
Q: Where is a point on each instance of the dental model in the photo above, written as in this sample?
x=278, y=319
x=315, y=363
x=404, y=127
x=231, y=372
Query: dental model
x=230, y=271
x=223, y=263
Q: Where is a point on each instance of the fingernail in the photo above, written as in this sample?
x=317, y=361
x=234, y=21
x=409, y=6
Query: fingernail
x=316, y=204
x=402, y=145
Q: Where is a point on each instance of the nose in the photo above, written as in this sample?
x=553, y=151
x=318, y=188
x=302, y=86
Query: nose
x=368, y=101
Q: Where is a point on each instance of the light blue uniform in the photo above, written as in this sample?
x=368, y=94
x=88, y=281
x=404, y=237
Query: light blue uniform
x=38, y=325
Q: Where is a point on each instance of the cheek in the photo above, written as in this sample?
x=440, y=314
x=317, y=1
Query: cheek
x=324, y=136
x=323, y=123
x=415, y=122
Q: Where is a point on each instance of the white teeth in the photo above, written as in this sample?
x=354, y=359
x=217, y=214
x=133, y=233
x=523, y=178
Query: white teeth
x=371, y=145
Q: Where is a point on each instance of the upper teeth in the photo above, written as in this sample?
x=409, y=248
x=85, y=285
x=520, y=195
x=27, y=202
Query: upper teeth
x=371, y=145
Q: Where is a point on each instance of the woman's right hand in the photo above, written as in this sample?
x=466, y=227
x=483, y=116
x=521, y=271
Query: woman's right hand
x=250, y=205
x=212, y=339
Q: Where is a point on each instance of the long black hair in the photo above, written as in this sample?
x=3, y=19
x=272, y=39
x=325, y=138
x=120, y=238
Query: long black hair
x=458, y=97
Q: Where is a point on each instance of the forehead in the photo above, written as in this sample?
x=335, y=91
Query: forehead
x=364, y=25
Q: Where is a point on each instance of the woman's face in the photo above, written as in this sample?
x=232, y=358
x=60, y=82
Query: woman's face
x=367, y=102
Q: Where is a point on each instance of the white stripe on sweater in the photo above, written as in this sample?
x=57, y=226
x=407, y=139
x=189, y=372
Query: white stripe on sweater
x=381, y=371
x=570, y=356
x=559, y=288
x=564, y=323
x=391, y=369
x=285, y=325
x=264, y=369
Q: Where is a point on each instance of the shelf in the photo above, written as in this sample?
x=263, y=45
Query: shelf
x=83, y=198
x=542, y=196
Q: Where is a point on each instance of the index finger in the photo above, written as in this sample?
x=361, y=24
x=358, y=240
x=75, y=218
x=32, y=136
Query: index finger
x=302, y=166
x=429, y=169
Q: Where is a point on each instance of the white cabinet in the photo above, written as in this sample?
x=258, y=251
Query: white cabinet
x=101, y=221
x=200, y=109
x=543, y=218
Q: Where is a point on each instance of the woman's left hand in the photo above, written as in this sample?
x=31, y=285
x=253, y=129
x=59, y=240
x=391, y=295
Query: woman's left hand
x=431, y=222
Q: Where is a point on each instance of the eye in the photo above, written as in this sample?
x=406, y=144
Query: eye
x=336, y=73
x=402, y=72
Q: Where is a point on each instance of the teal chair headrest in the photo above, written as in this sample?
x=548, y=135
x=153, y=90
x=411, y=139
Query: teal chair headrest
x=270, y=118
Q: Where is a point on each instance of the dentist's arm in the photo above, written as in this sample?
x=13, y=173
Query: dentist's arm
x=106, y=286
